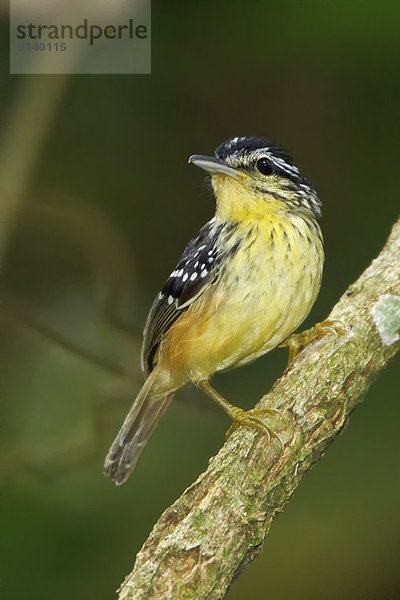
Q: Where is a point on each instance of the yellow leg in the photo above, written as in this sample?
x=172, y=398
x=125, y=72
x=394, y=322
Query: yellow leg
x=251, y=418
x=295, y=341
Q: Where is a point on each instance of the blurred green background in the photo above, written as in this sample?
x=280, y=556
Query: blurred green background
x=106, y=203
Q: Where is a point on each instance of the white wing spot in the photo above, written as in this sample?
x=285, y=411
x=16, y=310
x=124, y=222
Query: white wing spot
x=160, y=295
x=180, y=272
x=185, y=277
x=193, y=276
x=170, y=299
x=210, y=260
x=204, y=273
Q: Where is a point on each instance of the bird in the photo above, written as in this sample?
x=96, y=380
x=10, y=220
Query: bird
x=243, y=285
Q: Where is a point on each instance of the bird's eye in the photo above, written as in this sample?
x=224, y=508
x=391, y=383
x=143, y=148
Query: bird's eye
x=264, y=166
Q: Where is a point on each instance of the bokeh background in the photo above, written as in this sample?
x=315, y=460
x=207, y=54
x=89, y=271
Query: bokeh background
x=97, y=204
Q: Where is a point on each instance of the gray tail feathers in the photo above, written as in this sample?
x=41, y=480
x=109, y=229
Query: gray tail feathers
x=148, y=408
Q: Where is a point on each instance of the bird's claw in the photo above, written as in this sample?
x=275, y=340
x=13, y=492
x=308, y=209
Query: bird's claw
x=329, y=327
x=254, y=418
x=335, y=327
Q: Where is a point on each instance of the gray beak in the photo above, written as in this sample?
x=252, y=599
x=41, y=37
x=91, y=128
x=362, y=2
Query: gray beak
x=213, y=165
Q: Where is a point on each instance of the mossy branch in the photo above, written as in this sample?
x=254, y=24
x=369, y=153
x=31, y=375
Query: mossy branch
x=219, y=524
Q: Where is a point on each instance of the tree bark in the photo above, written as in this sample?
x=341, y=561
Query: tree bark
x=219, y=524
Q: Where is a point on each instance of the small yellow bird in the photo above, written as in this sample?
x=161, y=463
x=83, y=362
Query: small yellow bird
x=242, y=286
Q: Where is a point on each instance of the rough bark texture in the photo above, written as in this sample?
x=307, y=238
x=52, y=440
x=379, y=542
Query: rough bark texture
x=217, y=527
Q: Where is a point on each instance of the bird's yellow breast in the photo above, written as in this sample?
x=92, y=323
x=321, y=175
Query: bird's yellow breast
x=265, y=289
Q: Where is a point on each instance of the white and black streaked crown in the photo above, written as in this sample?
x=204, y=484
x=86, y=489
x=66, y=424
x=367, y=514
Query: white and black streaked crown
x=244, y=152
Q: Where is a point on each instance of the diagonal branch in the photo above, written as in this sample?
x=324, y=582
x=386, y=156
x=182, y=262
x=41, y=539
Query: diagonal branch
x=217, y=527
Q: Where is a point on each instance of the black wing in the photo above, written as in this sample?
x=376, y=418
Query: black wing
x=197, y=269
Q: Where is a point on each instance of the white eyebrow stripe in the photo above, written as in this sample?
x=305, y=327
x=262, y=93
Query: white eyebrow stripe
x=267, y=153
x=283, y=165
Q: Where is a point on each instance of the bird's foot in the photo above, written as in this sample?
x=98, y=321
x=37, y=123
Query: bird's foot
x=297, y=340
x=254, y=418
x=251, y=418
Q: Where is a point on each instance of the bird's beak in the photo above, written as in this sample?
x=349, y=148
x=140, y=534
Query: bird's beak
x=213, y=165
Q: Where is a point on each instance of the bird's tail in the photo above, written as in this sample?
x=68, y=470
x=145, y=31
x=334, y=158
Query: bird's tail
x=148, y=408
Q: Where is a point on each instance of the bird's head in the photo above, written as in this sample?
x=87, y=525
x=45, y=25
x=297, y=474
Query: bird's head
x=253, y=177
